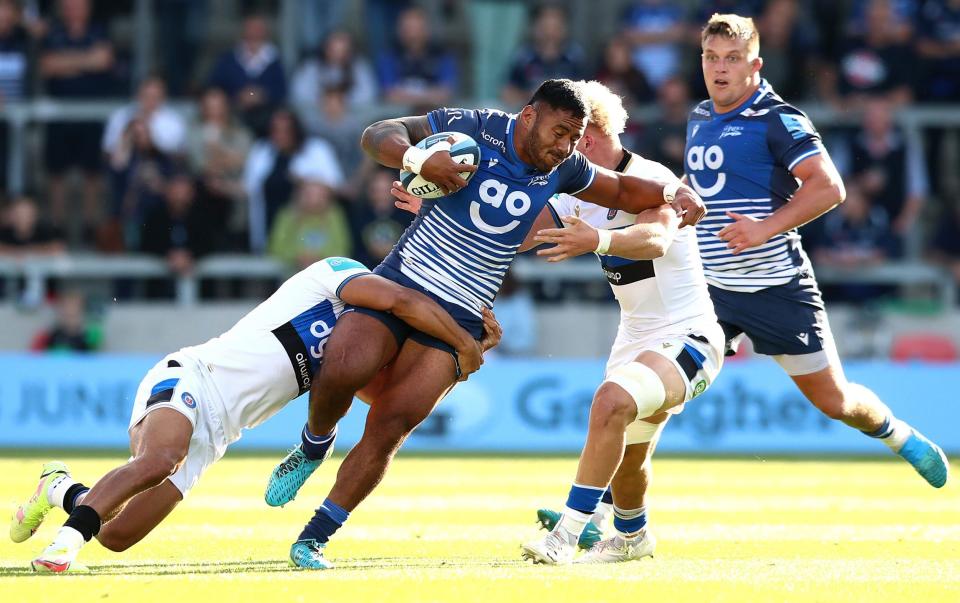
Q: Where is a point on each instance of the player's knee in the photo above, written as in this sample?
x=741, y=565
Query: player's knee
x=394, y=427
x=115, y=542
x=115, y=537
x=637, y=388
x=612, y=408
x=156, y=466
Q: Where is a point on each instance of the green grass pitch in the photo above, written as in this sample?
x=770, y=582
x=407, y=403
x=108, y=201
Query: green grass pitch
x=449, y=529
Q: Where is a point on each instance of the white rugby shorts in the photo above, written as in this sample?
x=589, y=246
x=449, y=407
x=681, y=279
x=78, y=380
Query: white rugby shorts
x=696, y=351
x=186, y=389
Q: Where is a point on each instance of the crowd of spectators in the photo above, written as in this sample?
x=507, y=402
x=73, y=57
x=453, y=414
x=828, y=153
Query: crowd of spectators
x=268, y=160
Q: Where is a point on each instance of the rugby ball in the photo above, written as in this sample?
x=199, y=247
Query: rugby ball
x=463, y=149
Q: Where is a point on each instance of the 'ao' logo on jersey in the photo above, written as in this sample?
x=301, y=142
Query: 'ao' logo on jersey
x=699, y=158
x=493, y=192
x=321, y=331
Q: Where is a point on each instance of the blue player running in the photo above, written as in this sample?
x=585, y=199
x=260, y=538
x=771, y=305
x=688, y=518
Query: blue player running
x=456, y=251
x=762, y=169
x=746, y=151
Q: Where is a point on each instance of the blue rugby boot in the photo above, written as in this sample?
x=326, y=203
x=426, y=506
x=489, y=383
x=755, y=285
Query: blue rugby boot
x=590, y=536
x=308, y=554
x=927, y=458
x=292, y=472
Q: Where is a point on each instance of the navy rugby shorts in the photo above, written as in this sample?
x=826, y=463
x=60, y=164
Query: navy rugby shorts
x=785, y=319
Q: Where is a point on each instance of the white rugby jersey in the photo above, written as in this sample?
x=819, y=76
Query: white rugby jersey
x=662, y=294
x=270, y=356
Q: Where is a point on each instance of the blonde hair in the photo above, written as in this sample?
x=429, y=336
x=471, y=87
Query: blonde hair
x=606, y=108
x=733, y=27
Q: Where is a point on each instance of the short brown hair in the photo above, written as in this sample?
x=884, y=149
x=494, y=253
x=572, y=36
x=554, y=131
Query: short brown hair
x=733, y=27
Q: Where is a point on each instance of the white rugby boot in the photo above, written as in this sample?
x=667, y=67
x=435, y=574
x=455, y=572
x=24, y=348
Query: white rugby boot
x=556, y=548
x=617, y=549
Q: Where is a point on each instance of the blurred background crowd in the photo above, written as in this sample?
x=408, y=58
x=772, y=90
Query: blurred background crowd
x=188, y=128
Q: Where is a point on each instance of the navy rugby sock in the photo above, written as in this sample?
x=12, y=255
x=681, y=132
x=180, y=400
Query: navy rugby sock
x=73, y=496
x=629, y=521
x=326, y=520
x=315, y=447
x=584, y=498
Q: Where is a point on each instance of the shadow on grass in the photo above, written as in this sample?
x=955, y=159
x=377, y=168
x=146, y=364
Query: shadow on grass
x=261, y=567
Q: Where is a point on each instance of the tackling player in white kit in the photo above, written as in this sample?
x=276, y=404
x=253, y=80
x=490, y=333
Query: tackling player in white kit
x=197, y=401
x=669, y=346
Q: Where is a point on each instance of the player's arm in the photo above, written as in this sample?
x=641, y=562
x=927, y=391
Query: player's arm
x=821, y=189
x=419, y=311
x=647, y=239
x=633, y=194
x=391, y=142
x=544, y=221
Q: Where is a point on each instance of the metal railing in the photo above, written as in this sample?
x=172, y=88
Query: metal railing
x=37, y=271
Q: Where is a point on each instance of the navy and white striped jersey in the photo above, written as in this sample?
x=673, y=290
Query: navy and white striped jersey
x=460, y=246
x=741, y=161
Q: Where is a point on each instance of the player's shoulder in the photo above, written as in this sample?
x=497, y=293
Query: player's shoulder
x=489, y=127
x=494, y=120
x=647, y=168
x=700, y=111
x=789, y=123
x=770, y=106
x=332, y=268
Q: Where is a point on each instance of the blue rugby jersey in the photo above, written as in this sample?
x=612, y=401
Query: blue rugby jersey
x=460, y=246
x=741, y=161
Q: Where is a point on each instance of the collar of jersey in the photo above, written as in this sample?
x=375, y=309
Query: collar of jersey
x=763, y=89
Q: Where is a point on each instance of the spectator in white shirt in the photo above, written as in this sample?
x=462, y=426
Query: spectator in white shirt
x=276, y=163
x=168, y=129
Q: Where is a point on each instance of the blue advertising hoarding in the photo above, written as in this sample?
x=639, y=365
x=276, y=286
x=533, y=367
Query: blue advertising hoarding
x=509, y=405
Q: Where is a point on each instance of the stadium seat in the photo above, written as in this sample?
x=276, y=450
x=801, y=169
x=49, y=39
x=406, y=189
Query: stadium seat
x=931, y=347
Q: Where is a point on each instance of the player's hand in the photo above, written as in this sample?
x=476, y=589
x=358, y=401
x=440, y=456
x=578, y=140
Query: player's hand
x=492, y=331
x=744, y=233
x=405, y=200
x=689, y=206
x=442, y=170
x=469, y=359
x=578, y=238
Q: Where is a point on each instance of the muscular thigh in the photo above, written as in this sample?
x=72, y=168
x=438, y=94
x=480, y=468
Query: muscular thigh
x=163, y=430
x=359, y=346
x=415, y=382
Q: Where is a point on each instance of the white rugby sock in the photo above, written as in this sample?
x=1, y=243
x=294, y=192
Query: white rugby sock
x=600, y=515
x=572, y=522
x=57, y=489
x=69, y=537
x=899, y=432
